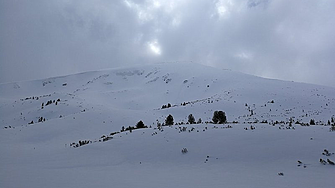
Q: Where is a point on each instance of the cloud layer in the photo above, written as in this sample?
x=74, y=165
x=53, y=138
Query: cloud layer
x=290, y=40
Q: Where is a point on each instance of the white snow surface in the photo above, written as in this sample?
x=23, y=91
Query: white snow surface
x=94, y=104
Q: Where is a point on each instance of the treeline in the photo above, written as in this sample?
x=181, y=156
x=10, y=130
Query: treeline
x=50, y=102
x=219, y=117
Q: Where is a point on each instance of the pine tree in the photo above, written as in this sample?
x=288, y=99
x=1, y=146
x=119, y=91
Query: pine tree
x=219, y=117
x=140, y=125
x=169, y=120
x=191, y=119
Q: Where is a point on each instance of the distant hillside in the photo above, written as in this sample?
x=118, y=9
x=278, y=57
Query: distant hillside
x=80, y=130
x=126, y=95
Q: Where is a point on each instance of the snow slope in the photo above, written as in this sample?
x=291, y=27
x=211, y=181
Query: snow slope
x=92, y=105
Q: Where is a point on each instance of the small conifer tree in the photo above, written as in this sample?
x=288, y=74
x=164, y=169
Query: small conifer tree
x=191, y=119
x=169, y=120
x=140, y=125
x=219, y=117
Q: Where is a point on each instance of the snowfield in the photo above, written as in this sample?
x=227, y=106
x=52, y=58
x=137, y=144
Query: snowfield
x=43, y=121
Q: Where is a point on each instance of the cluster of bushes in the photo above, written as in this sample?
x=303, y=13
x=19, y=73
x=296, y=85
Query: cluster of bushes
x=41, y=119
x=139, y=125
x=35, y=97
x=324, y=162
x=184, y=151
x=185, y=103
x=327, y=153
x=27, y=98
x=278, y=122
x=297, y=122
x=113, y=133
x=50, y=102
x=311, y=122
x=193, y=102
x=251, y=128
x=166, y=106
x=80, y=143
x=287, y=127
x=105, y=138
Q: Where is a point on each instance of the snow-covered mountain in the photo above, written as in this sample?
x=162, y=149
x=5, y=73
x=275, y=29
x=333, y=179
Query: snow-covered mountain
x=42, y=120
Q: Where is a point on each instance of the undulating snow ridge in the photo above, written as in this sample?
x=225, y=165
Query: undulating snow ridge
x=40, y=120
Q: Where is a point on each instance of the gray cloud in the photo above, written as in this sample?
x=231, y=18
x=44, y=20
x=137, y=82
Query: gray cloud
x=290, y=40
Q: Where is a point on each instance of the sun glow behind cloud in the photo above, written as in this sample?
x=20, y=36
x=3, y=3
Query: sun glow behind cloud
x=147, y=14
x=223, y=8
x=154, y=47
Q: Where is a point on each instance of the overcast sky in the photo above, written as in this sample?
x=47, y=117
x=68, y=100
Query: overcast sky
x=282, y=39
